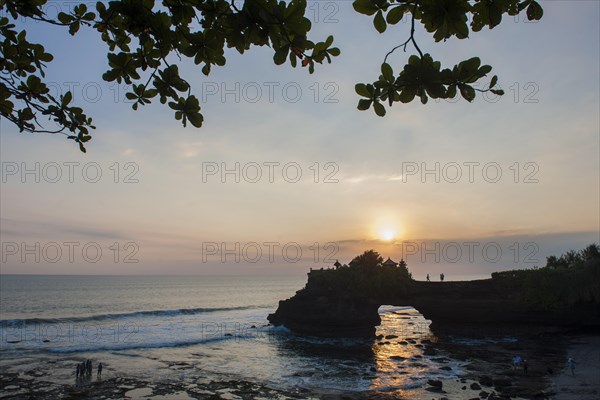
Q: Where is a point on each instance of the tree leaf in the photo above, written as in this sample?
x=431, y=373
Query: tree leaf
x=364, y=104
x=66, y=99
x=364, y=7
x=467, y=92
x=387, y=72
x=395, y=15
x=494, y=81
x=196, y=119
x=535, y=11
x=379, y=108
x=379, y=22
x=281, y=55
x=451, y=93
x=361, y=89
x=334, y=51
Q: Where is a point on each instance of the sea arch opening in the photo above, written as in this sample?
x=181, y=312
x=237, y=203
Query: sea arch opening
x=402, y=323
x=402, y=341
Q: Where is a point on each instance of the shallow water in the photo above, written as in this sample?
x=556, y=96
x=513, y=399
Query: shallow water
x=195, y=329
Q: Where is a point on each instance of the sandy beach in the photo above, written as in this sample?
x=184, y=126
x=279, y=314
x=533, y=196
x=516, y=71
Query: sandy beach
x=585, y=383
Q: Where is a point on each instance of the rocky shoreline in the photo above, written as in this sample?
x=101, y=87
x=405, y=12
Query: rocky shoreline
x=486, y=374
x=30, y=386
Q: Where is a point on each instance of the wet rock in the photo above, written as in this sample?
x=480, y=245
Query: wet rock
x=391, y=336
x=434, y=389
x=475, y=386
x=483, y=394
x=486, y=381
x=429, y=351
x=304, y=374
x=435, y=383
x=502, y=382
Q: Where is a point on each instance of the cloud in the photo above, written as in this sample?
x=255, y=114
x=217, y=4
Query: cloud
x=189, y=149
x=372, y=178
x=12, y=229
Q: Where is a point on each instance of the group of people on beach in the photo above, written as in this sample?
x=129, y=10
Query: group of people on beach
x=84, y=369
x=519, y=362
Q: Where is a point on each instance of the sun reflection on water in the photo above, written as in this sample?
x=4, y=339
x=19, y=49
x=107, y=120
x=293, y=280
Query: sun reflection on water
x=400, y=360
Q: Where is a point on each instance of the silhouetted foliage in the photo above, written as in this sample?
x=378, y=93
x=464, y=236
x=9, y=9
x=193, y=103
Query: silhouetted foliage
x=569, y=280
x=364, y=275
x=368, y=260
x=422, y=76
x=572, y=258
x=144, y=38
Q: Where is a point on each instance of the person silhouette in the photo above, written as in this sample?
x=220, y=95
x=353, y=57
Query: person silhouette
x=427, y=277
x=571, y=364
x=442, y=277
x=516, y=362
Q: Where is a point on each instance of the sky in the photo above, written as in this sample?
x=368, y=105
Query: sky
x=286, y=174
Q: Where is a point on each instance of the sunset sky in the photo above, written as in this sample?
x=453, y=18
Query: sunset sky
x=170, y=210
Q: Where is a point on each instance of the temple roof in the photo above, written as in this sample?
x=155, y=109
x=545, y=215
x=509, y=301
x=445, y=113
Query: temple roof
x=389, y=262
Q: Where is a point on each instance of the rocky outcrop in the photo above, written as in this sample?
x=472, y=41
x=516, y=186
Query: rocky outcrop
x=325, y=315
x=328, y=310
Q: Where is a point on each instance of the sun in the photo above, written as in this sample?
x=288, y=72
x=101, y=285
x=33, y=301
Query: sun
x=387, y=235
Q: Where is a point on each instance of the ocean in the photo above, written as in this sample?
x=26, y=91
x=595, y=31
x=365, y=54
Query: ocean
x=204, y=328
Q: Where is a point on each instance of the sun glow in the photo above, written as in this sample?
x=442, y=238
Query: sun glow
x=387, y=235
x=387, y=226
